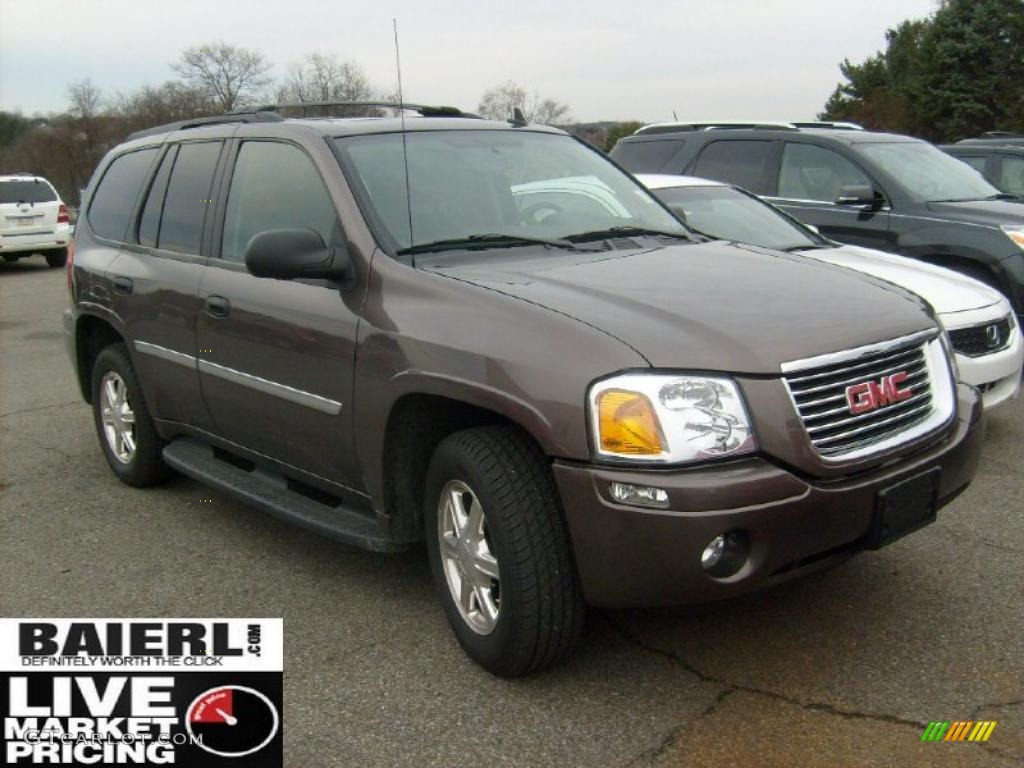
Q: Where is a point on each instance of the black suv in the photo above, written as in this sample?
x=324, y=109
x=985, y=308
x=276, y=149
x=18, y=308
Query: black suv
x=879, y=190
x=998, y=156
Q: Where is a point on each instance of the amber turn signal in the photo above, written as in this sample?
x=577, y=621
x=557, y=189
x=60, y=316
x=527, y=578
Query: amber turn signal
x=628, y=424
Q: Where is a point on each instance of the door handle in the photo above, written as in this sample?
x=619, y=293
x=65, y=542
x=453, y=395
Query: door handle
x=122, y=285
x=218, y=306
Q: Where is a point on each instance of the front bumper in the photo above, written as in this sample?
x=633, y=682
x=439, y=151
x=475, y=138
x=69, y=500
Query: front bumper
x=634, y=557
x=997, y=374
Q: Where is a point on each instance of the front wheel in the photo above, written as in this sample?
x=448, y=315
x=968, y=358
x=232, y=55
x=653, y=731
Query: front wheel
x=499, y=551
x=57, y=258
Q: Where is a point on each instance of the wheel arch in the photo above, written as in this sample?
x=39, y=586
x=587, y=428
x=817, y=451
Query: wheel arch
x=416, y=423
x=93, y=334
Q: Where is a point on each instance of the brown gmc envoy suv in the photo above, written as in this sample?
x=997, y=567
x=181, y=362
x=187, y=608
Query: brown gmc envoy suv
x=487, y=337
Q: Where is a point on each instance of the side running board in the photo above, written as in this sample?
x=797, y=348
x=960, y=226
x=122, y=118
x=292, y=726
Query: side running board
x=269, y=491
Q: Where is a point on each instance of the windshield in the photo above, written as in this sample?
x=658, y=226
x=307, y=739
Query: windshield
x=927, y=173
x=27, y=191
x=728, y=214
x=471, y=184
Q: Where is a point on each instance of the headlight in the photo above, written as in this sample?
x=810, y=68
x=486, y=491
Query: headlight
x=669, y=418
x=1016, y=233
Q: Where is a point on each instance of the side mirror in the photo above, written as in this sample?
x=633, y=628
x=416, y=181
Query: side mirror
x=856, y=194
x=288, y=254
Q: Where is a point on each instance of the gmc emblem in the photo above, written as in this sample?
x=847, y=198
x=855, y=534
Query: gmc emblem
x=869, y=395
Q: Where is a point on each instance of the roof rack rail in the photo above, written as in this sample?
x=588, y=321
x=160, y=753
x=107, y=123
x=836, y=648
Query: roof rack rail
x=248, y=116
x=1002, y=135
x=714, y=125
x=839, y=125
x=424, y=110
x=269, y=113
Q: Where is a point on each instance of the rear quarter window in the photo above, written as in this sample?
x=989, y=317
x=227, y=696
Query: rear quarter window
x=26, y=191
x=646, y=156
x=740, y=162
x=114, y=198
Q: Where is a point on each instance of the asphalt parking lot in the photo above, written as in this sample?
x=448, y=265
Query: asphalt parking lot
x=845, y=668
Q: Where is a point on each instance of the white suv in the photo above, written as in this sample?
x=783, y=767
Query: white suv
x=33, y=219
x=981, y=325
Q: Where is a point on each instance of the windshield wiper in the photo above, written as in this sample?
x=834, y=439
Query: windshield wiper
x=480, y=242
x=807, y=247
x=997, y=196
x=622, y=231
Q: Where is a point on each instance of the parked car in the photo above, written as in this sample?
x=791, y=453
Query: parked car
x=33, y=219
x=359, y=326
x=1002, y=164
x=879, y=190
x=979, y=320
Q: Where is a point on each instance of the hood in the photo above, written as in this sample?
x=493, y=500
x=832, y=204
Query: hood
x=708, y=306
x=992, y=212
x=947, y=291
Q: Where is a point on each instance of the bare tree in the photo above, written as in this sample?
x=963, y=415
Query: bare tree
x=166, y=103
x=324, y=77
x=229, y=75
x=499, y=102
x=85, y=99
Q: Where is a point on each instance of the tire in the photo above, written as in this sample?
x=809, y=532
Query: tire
x=57, y=258
x=540, y=609
x=142, y=466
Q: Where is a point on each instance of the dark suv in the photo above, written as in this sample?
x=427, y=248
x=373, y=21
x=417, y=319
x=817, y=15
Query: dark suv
x=487, y=337
x=999, y=157
x=879, y=190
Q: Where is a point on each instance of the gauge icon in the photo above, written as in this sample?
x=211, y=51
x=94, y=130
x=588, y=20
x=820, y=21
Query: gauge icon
x=232, y=721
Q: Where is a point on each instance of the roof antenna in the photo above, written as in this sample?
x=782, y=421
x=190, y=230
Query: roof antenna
x=674, y=118
x=405, y=149
x=518, y=120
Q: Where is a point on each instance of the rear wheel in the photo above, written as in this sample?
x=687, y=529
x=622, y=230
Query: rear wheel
x=57, y=258
x=499, y=551
x=126, y=432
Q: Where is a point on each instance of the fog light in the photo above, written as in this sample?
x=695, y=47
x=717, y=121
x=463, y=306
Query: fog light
x=713, y=552
x=639, y=495
x=725, y=554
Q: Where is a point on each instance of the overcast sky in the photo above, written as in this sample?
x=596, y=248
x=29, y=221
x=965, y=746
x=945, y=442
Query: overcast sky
x=765, y=59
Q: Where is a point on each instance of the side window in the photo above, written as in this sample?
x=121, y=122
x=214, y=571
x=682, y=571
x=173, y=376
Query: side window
x=810, y=172
x=1011, y=178
x=975, y=161
x=114, y=198
x=188, y=197
x=743, y=163
x=149, y=224
x=275, y=186
x=646, y=156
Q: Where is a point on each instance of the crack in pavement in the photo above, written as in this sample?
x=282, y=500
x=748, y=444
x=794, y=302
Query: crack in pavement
x=955, y=533
x=730, y=688
x=650, y=757
x=38, y=408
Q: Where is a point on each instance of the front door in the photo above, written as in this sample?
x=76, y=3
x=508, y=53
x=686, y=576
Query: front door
x=810, y=178
x=276, y=357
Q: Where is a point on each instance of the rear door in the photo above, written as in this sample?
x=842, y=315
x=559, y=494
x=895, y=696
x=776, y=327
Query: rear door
x=809, y=180
x=745, y=163
x=277, y=356
x=155, y=280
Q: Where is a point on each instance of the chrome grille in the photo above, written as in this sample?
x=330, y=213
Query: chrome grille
x=819, y=394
